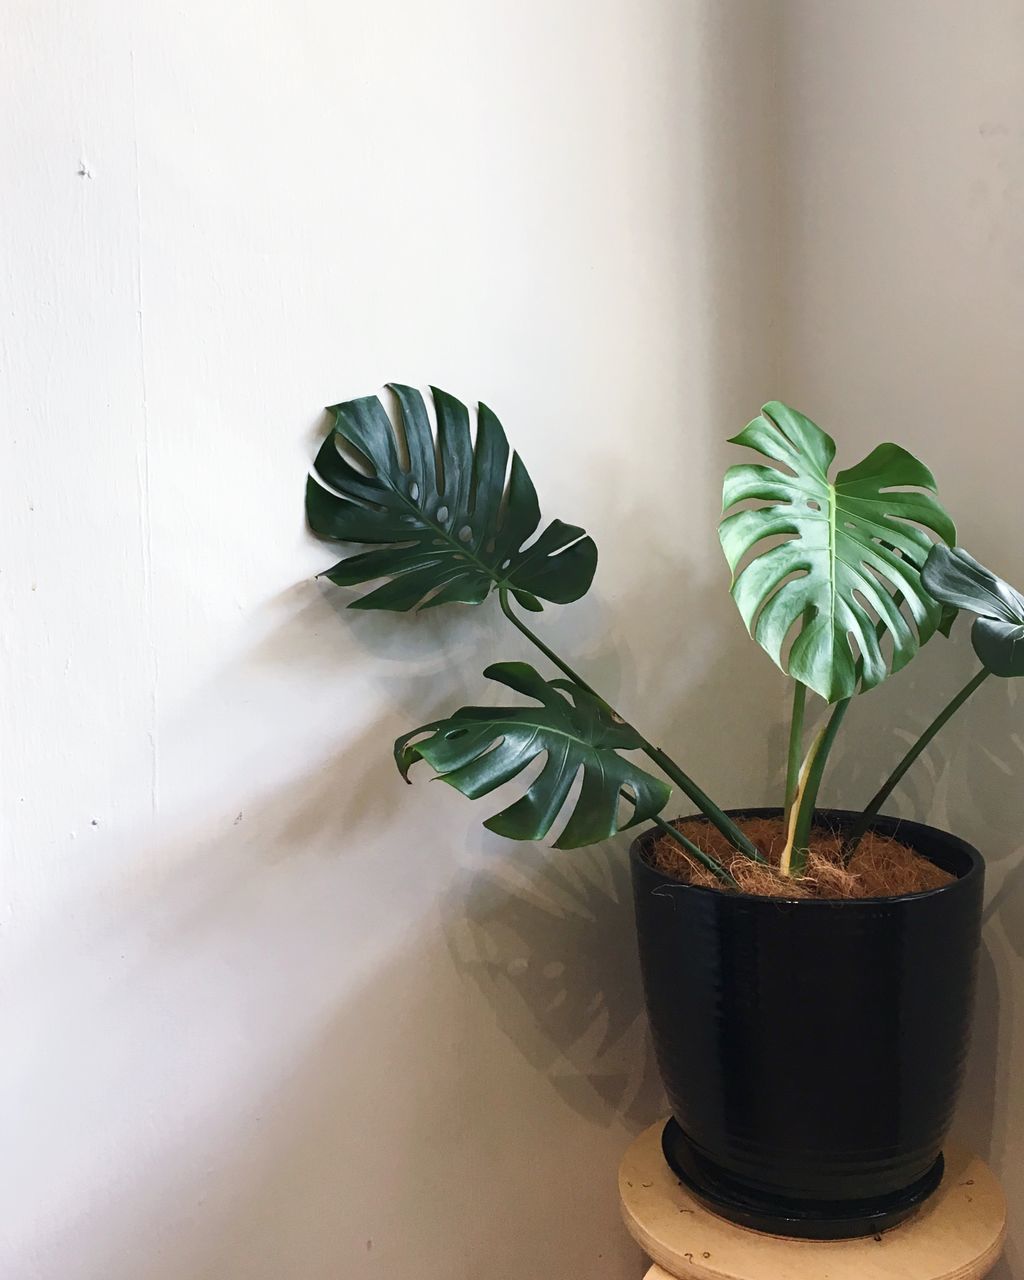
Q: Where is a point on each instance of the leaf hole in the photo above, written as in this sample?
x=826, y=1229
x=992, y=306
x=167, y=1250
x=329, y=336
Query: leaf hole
x=625, y=805
x=814, y=504
x=465, y=533
x=455, y=733
x=414, y=491
x=442, y=514
x=392, y=406
x=505, y=563
x=357, y=460
x=489, y=546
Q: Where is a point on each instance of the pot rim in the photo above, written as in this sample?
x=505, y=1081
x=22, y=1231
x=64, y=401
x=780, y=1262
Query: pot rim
x=976, y=868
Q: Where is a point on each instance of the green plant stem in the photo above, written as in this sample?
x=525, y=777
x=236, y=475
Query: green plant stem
x=716, y=816
x=786, y=857
x=550, y=654
x=894, y=778
x=815, y=772
x=796, y=735
x=705, y=859
x=801, y=822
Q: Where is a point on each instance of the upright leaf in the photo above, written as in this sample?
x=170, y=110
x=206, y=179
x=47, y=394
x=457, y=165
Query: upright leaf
x=957, y=580
x=850, y=544
x=447, y=518
x=479, y=748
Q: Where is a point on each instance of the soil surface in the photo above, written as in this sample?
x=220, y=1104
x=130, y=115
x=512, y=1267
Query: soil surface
x=880, y=868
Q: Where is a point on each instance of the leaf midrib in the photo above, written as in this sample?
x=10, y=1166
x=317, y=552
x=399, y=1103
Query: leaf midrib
x=819, y=475
x=550, y=730
x=832, y=506
x=454, y=544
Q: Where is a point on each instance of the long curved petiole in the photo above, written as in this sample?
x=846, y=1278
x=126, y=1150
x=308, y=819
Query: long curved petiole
x=796, y=734
x=715, y=815
x=874, y=805
x=705, y=859
x=801, y=817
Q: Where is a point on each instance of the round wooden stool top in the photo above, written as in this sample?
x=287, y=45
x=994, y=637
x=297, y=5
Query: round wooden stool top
x=957, y=1234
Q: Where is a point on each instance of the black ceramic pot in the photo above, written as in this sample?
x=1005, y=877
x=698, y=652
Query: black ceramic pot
x=812, y=1050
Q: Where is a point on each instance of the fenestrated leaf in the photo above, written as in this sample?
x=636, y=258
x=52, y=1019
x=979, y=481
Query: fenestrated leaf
x=956, y=579
x=851, y=545
x=450, y=523
x=479, y=748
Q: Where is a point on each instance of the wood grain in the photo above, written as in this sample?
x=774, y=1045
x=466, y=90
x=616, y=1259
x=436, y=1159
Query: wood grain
x=957, y=1235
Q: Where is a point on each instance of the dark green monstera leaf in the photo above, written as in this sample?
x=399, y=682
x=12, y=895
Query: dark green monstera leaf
x=448, y=519
x=956, y=579
x=479, y=748
x=851, y=559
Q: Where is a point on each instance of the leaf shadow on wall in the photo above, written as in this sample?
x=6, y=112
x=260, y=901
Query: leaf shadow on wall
x=299, y=820
x=313, y=629
x=550, y=944
x=548, y=935
x=964, y=778
x=962, y=783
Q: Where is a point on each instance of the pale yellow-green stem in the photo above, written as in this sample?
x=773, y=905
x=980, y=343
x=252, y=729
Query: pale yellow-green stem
x=786, y=861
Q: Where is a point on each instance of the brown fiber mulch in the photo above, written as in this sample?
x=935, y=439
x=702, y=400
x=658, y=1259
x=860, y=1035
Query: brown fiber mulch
x=880, y=867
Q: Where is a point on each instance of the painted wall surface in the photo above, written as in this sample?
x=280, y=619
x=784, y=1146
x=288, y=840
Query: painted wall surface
x=902, y=310
x=267, y=1012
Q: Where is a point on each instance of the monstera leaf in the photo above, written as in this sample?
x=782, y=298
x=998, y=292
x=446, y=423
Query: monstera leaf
x=851, y=544
x=479, y=748
x=448, y=520
x=958, y=580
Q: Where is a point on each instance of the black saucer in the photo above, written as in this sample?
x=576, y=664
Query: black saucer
x=804, y=1219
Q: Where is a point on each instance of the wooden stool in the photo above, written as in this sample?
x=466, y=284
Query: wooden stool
x=957, y=1234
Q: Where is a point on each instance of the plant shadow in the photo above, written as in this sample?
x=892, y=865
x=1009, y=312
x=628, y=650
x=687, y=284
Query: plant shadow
x=547, y=938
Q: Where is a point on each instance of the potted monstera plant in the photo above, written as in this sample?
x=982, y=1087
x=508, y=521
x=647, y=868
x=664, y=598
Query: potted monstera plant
x=809, y=972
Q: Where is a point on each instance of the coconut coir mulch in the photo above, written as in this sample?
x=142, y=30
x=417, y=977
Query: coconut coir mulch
x=880, y=868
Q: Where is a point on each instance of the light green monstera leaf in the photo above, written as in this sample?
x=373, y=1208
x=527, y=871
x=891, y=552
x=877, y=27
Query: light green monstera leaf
x=958, y=580
x=478, y=749
x=848, y=568
x=448, y=520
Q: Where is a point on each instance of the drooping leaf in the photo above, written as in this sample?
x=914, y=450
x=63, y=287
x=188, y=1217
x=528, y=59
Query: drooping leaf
x=851, y=544
x=949, y=613
x=479, y=748
x=956, y=579
x=448, y=518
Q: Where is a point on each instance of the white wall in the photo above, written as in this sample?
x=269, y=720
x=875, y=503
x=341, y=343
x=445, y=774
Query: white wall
x=266, y=1011
x=902, y=181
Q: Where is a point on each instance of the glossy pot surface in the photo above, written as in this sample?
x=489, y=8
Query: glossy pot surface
x=812, y=1050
